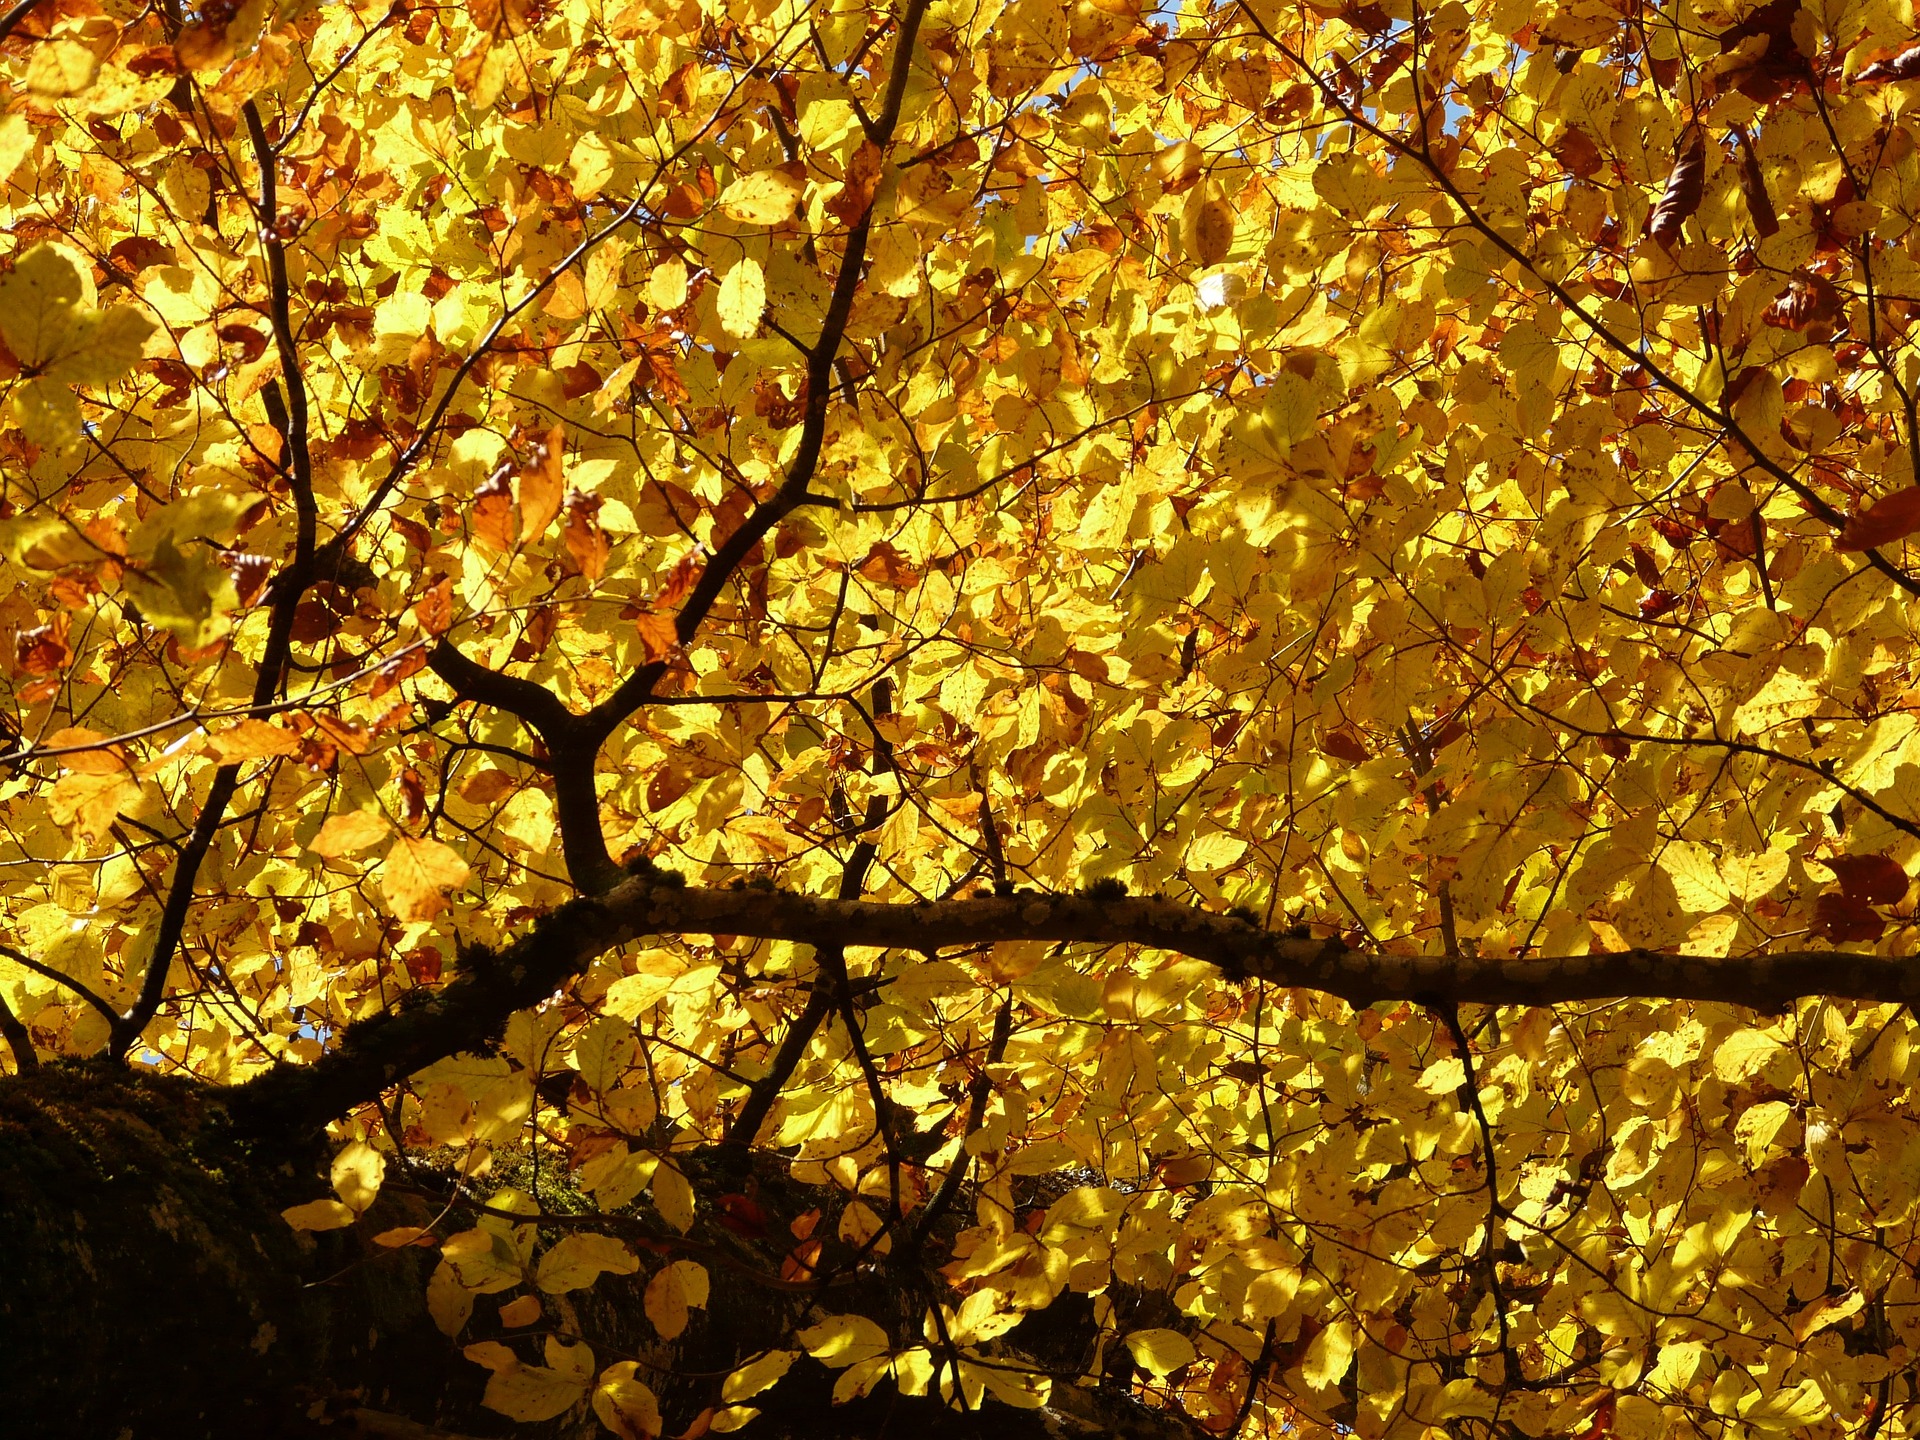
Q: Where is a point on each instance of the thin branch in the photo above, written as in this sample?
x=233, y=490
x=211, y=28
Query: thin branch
x=85, y=992
x=638, y=687
x=980, y=1091
x=18, y=12
x=289, y=417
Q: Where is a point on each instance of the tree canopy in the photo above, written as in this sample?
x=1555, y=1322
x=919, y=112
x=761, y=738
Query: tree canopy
x=1211, y=707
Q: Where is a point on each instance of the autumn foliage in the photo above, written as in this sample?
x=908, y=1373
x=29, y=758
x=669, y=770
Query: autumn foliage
x=1207, y=708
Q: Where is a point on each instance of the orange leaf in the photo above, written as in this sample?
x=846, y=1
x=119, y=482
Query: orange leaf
x=1890, y=518
x=541, y=486
x=657, y=635
x=416, y=875
x=434, y=610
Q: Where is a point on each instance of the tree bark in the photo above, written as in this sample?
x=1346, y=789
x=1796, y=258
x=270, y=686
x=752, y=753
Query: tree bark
x=151, y=1289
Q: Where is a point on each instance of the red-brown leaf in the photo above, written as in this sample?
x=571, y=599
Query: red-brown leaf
x=1769, y=72
x=1343, y=744
x=1575, y=150
x=1842, y=919
x=1684, y=188
x=1872, y=879
x=1753, y=186
x=1890, y=518
x=1810, y=304
x=1658, y=603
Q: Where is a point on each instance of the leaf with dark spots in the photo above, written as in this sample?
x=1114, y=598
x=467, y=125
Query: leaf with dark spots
x=1575, y=150
x=1682, y=196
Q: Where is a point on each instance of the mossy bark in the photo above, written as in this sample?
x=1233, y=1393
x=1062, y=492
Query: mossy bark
x=149, y=1289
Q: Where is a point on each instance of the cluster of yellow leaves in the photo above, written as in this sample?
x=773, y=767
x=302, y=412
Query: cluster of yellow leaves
x=1437, y=475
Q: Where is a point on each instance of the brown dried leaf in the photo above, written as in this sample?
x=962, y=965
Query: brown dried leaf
x=1685, y=185
x=1890, y=518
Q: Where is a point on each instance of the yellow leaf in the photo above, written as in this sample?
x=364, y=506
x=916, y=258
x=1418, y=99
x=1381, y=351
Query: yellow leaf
x=523, y=1311
x=1213, y=230
x=357, y=1172
x=402, y=1235
x=766, y=197
x=1443, y=1077
x=757, y=1374
x=318, y=1215
x=345, y=833
x=591, y=164
x=90, y=803
x=743, y=296
x=667, y=285
x=533, y=1392
x=1328, y=1356
x=1797, y=1409
x=253, y=740
x=625, y=1405
x=1743, y=1053
x=60, y=68
x=485, y=1261
x=673, y=1197
x=1750, y=877
x=16, y=143
x=672, y=1289
x=1695, y=873
x=49, y=316
x=1178, y=166
x=1161, y=1352
x=448, y=1301
x=1826, y=1312
x=578, y=1259
x=417, y=873
x=842, y=1340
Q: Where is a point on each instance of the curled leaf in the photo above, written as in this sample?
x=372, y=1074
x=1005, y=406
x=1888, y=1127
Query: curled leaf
x=1753, y=186
x=1681, y=198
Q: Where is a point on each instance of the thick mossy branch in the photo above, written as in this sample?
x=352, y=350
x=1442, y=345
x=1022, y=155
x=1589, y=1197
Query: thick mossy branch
x=375, y=1054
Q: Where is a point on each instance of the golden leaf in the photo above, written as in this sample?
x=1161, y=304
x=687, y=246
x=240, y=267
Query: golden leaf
x=344, y=834
x=416, y=875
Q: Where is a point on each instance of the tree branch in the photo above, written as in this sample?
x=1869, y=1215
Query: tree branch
x=572, y=753
x=289, y=417
x=18, y=1039
x=379, y=1052
x=85, y=992
x=638, y=687
x=14, y=14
